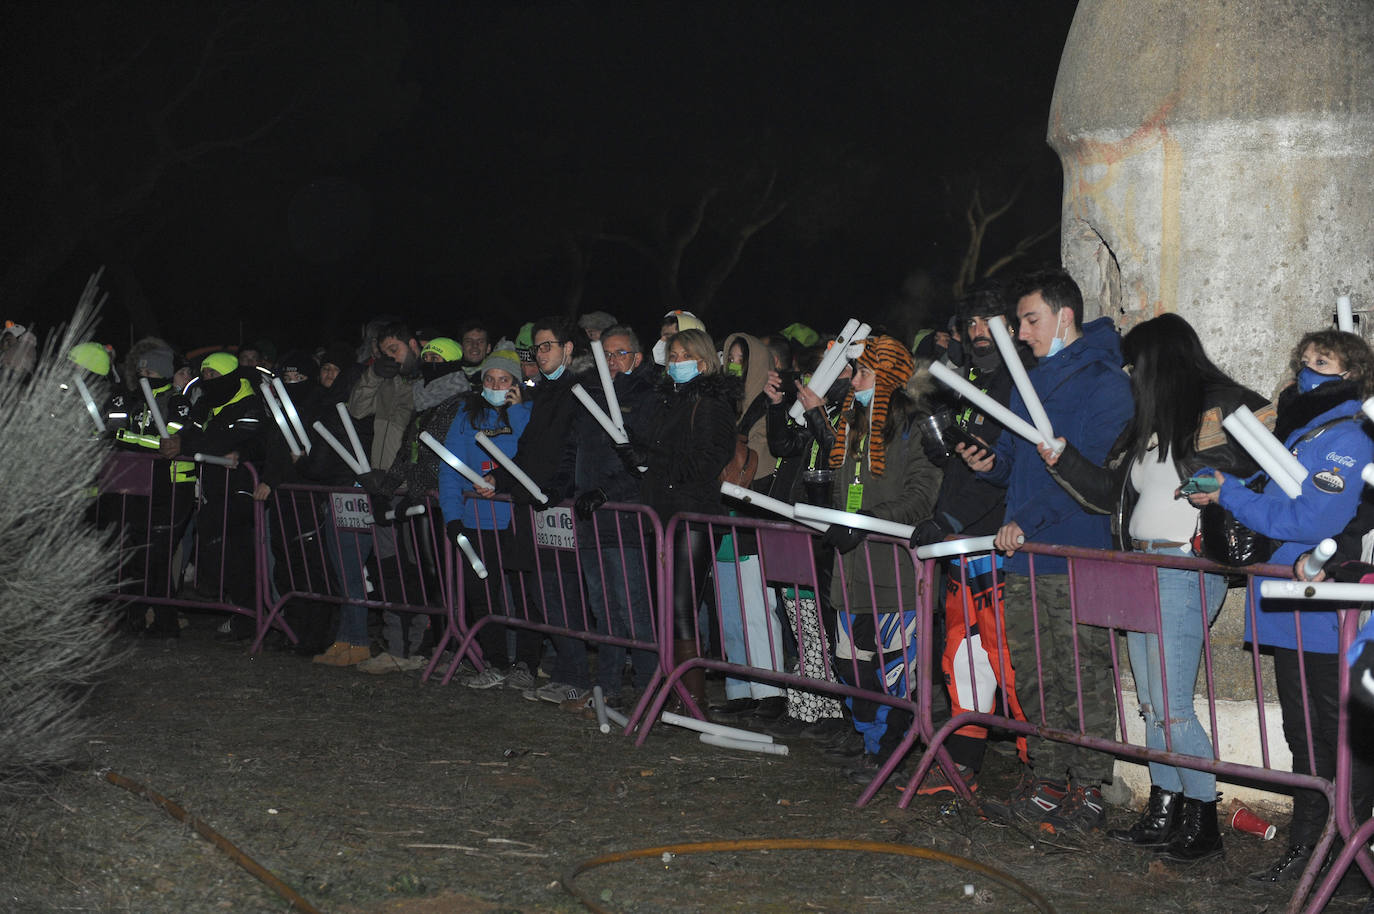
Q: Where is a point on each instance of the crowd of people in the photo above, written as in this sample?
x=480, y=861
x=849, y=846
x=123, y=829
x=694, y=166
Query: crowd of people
x=1140, y=461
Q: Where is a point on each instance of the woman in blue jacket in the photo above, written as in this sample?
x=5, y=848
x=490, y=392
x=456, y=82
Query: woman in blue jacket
x=497, y=410
x=1319, y=420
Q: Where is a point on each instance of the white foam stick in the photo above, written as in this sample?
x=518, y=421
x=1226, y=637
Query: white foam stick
x=956, y=547
x=706, y=726
x=410, y=512
x=1256, y=449
x=518, y=474
x=1345, y=317
x=1273, y=445
x=1039, y=418
x=990, y=407
x=616, y=432
x=90, y=404
x=1368, y=407
x=152, y=407
x=607, y=387
x=275, y=409
x=353, y=437
x=1367, y=474
x=725, y=742
x=620, y=720
x=339, y=449
x=450, y=458
x=603, y=723
x=1324, y=591
x=474, y=560
x=832, y=363
x=767, y=503
x=217, y=461
x=1318, y=557
x=856, y=521
x=290, y=406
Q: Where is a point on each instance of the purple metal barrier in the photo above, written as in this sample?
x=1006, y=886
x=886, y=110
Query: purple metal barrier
x=588, y=581
x=152, y=501
x=1118, y=592
x=329, y=541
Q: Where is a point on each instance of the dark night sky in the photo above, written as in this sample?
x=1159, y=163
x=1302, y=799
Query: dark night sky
x=326, y=162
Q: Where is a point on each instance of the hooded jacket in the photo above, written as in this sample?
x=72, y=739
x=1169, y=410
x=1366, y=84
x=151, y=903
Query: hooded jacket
x=1088, y=400
x=389, y=403
x=756, y=367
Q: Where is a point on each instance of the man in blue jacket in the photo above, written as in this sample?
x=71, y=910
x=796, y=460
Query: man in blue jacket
x=1087, y=397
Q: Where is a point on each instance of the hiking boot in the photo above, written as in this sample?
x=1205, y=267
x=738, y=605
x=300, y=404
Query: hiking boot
x=520, y=678
x=862, y=771
x=1157, y=824
x=1198, y=837
x=341, y=653
x=1288, y=867
x=826, y=729
x=390, y=663
x=770, y=708
x=489, y=678
x=1037, y=800
x=1082, y=808
x=936, y=781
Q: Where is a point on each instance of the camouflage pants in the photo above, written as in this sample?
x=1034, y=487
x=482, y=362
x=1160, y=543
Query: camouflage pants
x=1053, y=678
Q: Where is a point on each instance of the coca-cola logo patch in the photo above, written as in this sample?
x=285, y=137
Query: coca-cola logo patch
x=1329, y=481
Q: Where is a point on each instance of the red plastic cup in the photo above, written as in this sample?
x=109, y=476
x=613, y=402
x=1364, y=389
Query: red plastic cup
x=1244, y=820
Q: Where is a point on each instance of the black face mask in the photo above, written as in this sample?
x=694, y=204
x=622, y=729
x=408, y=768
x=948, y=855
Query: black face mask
x=219, y=391
x=411, y=366
x=431, y=370
x=954, y=351
x=985, y=355
x=837, y=391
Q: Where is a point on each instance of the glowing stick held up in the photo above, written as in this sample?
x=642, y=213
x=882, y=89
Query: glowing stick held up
x=616, y=432
x=1254, y=446
x=518, y=474
x=90, y=404
x=1284, y=457
x=152, y=407
x=477, y=564
x=290, y=407
x=353, y=438
x=1345, y=316
x=957, y=547
x=1323, y=591
x=990, y=407
x=1039, y=418
x=450, y=458
x=607, y=386
x=832, y=363
x=339, y=449
x=275, y=409
x=767, y=503
x=855, y=521
x=1318, y=557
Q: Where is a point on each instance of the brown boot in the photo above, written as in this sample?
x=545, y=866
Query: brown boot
x=694, y=680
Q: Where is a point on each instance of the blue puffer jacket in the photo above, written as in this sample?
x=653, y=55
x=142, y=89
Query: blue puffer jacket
x=1088, y=399
x=462, y=441
x=1330, y=494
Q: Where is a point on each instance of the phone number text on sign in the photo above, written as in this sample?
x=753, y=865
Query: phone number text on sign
x=554, y=528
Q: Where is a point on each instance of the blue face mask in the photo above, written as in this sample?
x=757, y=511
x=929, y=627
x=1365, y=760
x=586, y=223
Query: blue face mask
x=1056, y=344
x=494, y=397
x=556, y=375
x=864, y=397
x=682, y=372
x=1308, y=379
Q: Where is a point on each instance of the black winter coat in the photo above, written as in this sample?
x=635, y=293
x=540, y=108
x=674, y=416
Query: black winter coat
x=692, y=443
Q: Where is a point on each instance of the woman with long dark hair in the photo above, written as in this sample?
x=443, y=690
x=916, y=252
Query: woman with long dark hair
x=1320, y=421
x=1181, y=398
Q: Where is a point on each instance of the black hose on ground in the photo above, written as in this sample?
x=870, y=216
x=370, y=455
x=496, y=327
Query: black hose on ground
x=770, y=844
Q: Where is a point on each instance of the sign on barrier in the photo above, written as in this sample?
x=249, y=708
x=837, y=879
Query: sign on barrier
x=554, y=528
x=351, y=512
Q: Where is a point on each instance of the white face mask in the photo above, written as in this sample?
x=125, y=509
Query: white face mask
x=1056, y=344
x=661, y=352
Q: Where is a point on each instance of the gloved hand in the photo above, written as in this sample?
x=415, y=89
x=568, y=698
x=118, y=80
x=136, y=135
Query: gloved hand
x=844, y=539
x=588, y=502
x=371, y=481
x=386, y=367
x=380, y=507
x=928, y=531
x=632, y=456
x=519, y=495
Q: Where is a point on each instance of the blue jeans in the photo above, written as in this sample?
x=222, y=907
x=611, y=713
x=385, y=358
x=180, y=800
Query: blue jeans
x=762, y=647
x=1180, y=605
x=348, y=551
x=618, y=595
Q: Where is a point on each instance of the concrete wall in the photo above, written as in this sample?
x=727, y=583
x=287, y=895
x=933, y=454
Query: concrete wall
x=1219, y=162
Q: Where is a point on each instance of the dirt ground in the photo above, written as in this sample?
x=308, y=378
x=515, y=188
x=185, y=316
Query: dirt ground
x=385, y=794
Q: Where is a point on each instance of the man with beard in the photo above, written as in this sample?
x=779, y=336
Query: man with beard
x=383, y=394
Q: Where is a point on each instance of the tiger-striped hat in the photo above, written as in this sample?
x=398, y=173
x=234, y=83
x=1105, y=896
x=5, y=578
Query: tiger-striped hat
x=893, y=365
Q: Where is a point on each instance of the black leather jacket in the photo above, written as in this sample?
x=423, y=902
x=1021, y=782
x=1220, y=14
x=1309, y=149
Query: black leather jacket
x=1107, y=489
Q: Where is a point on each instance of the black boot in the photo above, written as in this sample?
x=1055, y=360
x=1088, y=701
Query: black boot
x=1288, y=867
x=1157, y=825
x=1198, y=837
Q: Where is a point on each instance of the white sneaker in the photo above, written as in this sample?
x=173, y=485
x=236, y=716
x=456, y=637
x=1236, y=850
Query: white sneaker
x=559, y=692
x=520, y=678
x=390, y=663
x=489, y=678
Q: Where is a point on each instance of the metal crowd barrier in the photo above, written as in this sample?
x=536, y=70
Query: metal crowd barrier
x=541, y=568
x=330, y=544
x=135, y=493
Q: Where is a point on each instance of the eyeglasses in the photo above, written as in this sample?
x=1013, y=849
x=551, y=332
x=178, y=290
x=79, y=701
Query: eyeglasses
x=547, y=345
x=618, y=354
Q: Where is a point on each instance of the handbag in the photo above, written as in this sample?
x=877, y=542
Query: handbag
x=744, y=463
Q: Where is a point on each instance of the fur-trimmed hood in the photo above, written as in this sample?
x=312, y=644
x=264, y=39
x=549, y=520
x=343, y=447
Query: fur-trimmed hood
x=716, y=384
